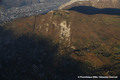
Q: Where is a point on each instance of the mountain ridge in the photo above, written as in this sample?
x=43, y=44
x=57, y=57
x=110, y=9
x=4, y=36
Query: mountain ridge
x=82, y=40
x=88, y=44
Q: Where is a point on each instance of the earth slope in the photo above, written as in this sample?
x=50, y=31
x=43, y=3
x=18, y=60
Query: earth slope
x=91, y=40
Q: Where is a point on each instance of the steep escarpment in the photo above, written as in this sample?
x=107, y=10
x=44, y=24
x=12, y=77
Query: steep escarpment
x=86, y=45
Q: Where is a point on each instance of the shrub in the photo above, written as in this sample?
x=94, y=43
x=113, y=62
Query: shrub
x=106, y=54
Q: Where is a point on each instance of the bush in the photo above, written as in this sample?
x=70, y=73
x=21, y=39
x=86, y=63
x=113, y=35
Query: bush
x=55, y=13
x=106, y=54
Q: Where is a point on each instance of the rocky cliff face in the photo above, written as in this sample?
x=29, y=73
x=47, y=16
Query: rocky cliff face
x=93, y=3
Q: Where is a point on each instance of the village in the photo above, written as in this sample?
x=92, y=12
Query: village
x=25, y=11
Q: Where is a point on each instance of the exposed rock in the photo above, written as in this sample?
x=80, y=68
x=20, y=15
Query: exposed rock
x=65, y=31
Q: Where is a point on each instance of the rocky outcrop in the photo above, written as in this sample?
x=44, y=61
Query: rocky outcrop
x=60, y=30
x=65, y=31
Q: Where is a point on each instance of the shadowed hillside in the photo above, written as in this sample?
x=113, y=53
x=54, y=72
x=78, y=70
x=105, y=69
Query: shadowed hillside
x=60, y=45
x=92, y=10
x=35, y=57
